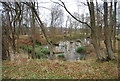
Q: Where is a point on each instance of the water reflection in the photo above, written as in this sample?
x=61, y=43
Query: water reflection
x=69, y=48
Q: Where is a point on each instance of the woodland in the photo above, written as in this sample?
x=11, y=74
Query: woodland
x=60, y=44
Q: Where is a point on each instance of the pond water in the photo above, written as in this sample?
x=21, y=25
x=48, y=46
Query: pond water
x=69, y=48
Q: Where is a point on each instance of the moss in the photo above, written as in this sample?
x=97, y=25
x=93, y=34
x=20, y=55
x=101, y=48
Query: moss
x=80, y=49
x=61, y=56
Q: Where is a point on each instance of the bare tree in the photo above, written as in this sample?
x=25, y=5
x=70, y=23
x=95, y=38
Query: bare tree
x=56, y=17
x=108, y=31
x=69, y=24
x=94, y=31
x=12, y=13
x=66, y=25
x=75, y=23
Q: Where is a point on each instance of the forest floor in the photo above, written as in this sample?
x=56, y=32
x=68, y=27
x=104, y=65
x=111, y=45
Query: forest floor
x=24, y=68
x=56, y=69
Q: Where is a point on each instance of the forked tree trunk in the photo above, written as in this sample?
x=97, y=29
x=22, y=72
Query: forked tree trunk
x=96, y=46
x=108, y=31
x=94, y=33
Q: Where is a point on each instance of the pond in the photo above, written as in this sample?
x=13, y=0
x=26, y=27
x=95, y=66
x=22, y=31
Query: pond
x=69, y=48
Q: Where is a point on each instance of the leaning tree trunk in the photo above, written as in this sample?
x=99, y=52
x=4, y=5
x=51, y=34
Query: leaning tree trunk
x=42, y=28
x=108, y=31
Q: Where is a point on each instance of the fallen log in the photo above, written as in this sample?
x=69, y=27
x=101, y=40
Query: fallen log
x=57, y=52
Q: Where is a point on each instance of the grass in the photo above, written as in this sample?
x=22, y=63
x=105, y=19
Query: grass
x=54, y=69
x=39, y=50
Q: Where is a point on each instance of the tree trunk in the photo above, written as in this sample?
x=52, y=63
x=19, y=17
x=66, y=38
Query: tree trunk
x=5, y=39
x=96, y=47
x=119, y=40
x=19, y=30
x=114, y=29
x=43, y=30
x=98, y=23
x=94, y=31
x=108, y=31
x=4, y=51
x=33, y=33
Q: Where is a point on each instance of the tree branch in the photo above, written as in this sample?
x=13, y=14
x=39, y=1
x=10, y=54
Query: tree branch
x=57, y=3
x=64, y=6
x=35, y=12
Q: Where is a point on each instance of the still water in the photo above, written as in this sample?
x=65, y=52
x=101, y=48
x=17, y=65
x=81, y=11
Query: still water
x=69, y=48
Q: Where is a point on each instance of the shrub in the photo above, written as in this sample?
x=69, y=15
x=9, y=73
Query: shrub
x=80, y=49
x=61, y=56
x=45, y=51
x=41, y=55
